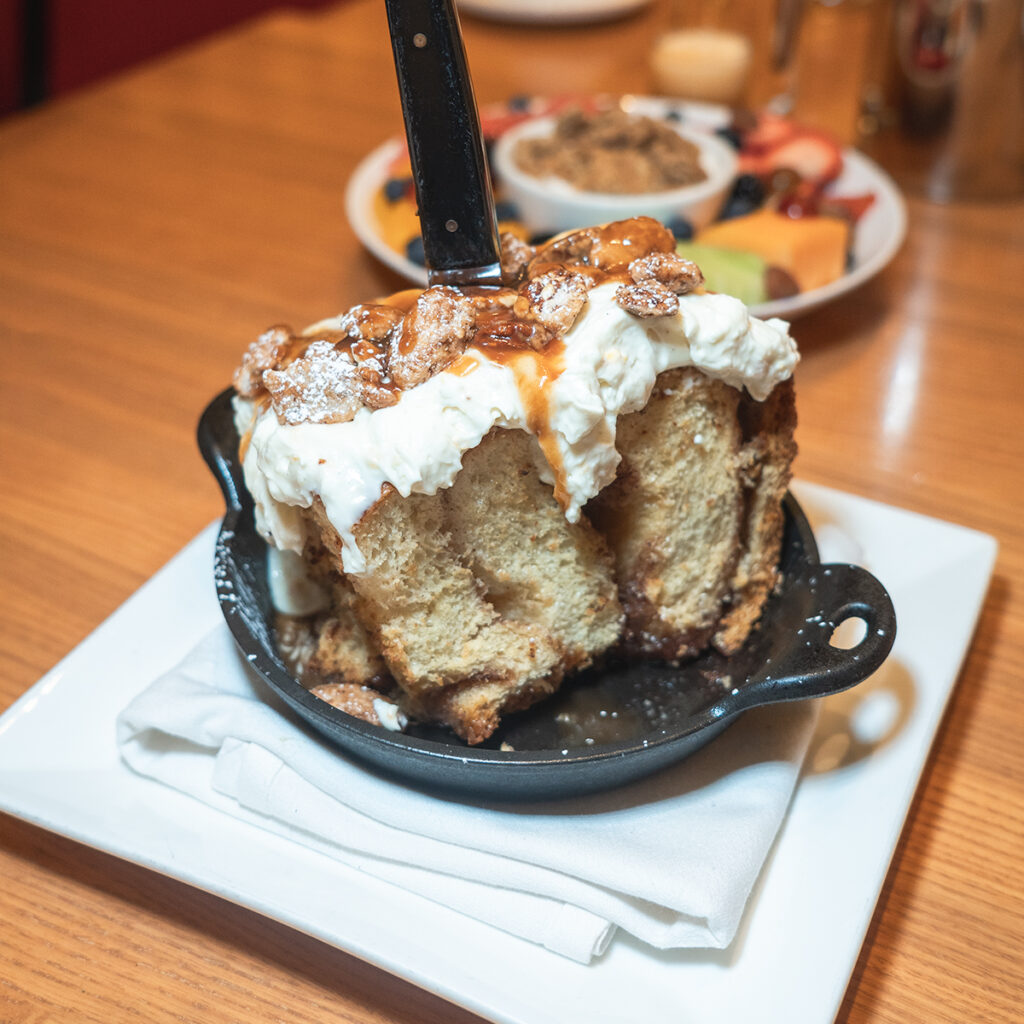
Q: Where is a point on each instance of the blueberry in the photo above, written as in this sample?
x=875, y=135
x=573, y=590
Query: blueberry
x=397, y=188
x=746, y=196
x=673, y=114
x=851, y=261
x=681, y=228
x=749, y=186
x=731, y=135
x=505, y=209
x=736, y=207
x=414, y=251
x=519, y=103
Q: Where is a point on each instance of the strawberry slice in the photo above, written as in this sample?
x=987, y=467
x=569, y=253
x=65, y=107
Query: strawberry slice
x=770, y=131
x=804, y=200
x=850, y=207
x=400, y=167
x=495, y=121
x=494, y=125
x=814, y=156
x=759, y=163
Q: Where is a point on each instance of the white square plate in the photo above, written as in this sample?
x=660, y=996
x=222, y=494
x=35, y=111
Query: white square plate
x=59, y=768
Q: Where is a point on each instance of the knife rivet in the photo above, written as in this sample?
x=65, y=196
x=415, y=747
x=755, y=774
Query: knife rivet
x=419, y=40
x=451, y=225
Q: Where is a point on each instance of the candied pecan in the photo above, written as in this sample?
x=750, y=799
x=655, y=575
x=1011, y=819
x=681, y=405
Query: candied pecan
x=515, y=255
x=267, y=352
x=513, y=331
x=667, y=268
x=503, y=319
x=379, y=398
x=609, y=249
x=556, y=298
x=571, y=247
x=320, y=387
x=369, y=354
x=490, y=299
x=650, y=298
x=370, y=322
x=433, y=334
x=354, y=699
x=616, y=245
x=375, y=386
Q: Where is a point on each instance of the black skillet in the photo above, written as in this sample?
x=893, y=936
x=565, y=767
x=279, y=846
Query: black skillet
x=604, y=728
x=639, y=717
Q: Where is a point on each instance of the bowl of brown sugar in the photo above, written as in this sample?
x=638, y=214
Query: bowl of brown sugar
x=591, y=166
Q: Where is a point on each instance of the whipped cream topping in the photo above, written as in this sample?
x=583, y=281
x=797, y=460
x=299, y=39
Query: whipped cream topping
x=570, y=399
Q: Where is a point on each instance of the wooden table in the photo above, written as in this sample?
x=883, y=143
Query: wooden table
x=149, y=228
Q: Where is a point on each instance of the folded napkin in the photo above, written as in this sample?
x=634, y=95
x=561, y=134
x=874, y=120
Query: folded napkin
x=671, y=859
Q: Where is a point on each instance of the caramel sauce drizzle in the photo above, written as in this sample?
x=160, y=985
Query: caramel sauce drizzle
x=535, y=372
x=463, y=366
x=510, y=337
x=536, y=359
x=504, y=327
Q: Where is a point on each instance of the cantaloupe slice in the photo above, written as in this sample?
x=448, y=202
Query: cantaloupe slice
x=812, y=249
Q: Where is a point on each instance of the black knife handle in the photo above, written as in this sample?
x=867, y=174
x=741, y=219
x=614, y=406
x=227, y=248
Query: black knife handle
x=442, y=126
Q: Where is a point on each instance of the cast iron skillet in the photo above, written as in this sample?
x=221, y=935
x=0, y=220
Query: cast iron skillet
x=603, y=728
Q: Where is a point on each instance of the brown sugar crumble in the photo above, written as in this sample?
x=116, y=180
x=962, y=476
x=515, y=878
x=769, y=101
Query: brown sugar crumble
x=612, y=151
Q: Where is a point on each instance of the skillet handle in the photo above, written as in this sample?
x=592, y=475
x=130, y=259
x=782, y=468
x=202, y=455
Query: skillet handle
x=815, y=668
x=218, y=442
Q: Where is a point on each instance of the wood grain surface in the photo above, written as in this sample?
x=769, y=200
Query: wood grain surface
x=152, y=226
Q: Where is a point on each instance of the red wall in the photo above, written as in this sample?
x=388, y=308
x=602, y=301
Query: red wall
x=89, y=39
x=10, y=54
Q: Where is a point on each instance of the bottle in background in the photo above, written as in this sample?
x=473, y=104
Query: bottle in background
x=949, y=119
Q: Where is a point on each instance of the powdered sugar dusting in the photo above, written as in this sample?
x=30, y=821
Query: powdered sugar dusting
x=320, y=387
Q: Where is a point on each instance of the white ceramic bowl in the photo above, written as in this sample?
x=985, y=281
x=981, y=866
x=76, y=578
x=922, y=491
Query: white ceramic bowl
x=551, y=204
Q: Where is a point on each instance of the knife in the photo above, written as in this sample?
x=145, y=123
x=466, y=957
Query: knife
x=442, y=127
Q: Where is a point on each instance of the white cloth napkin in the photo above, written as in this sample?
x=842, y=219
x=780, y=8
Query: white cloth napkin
x=671, y=859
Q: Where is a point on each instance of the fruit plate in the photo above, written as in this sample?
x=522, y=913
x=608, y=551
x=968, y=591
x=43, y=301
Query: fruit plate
x=559, y=748
x=876, y=239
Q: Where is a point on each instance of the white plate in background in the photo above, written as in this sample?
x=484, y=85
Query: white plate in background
x=552, y=12
x=877, y=236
